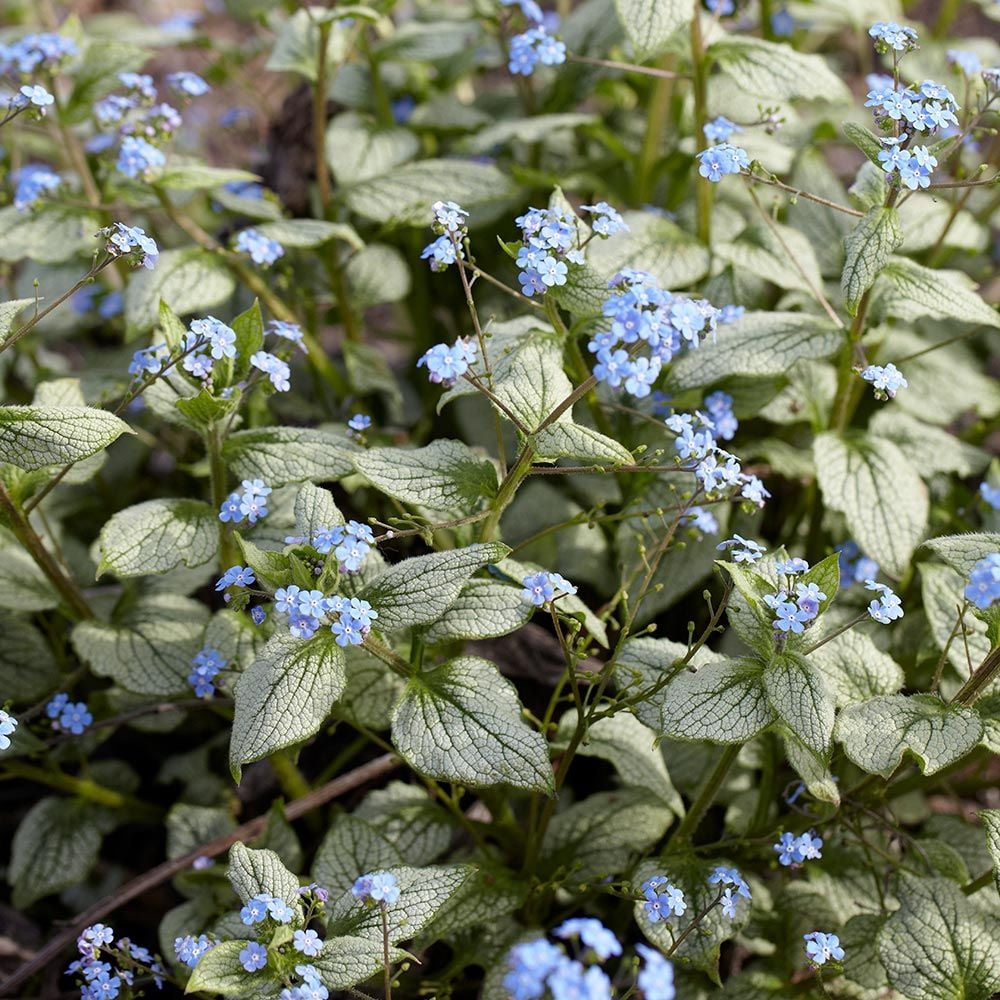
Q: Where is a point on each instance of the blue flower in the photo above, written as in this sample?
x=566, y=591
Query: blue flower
x=720, y=129
x=236, y=576
x=991, y=494
x=307, y=942
x=277, y=371
x=729, y=877
x=662, y=899
x=656, y=978
x=55, y=707
x=380, y=886
x=887, y=381
x=592, y=933
x=790, y=618
x=279, y=910
x=571, y=981
x=287, y=331
x=138, y=158
x=967, y=62
x=32, y=181
x=533, y=47
x=890, y=35
x=260, y=249
x=36, y=95
x=887, y=606
x=258, y=615
x=75, y=718
x=793, y=850
x=822, y=948
x=445, y=365
x=189, y=949
x=442, y=252
x=793, y=567
x=220, y=337
x=359, y=423
x=542, y=586
x=530, y=964
x=253, y=507
x=782, y=23
x=255, y=910
x=253, y=957
x=607, y=221
x=131, y=241
x=703, y=520
x=449, y=217
x=230, y=509
x=717, y=161
x=642, y=373
x=206, y=665
x=187, y=84
x=983, y=588
x=743, y=549
x=7, y=726
x=104, y=986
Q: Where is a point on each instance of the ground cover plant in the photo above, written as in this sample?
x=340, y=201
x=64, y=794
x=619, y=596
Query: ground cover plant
x=500, y=501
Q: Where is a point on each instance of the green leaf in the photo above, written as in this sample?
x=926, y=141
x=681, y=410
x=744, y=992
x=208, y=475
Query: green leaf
x=157, y=536
x=909, y=291
x=306, y=234
x=812, y=769
x=23, y=586
x=422, y=892
x=563, y=439
x=205, y=410
x=315, y=509
x=351, y=848
x=189, y=281
x=375, y=276
x=189, y=826
x=483, y=609
x=630, y=747
x=722, y=702
x=962, y=552
x=867, y=250
x=405, y=196
x=281, y=455
x=220, y=971
x=777, y=72
x=462, y=722
x=930, y=449
x=419, y=590
x=411, y=821
x=650, y=23
x=856, y=669
x=27, y=665
x=867, y=142
x=758, y=345
x=346, y=961
x=96, y=75
x=358, y=149
x=990, y=818
x=254, y=872
x=783, y=256
x=446, y=475
x=937, y=946
x=537, y=128
x=8, y=313
x=50, y=235
x=799, y=695
x=201, y=177
x=55, y=846
x=826, y=575
x=35, y=437
x=876, y=733
x=942, y=591
x=882, y=496
x=284, y=696
x=603, y=834
x=149, y=650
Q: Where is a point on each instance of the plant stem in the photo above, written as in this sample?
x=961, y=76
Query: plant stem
x=656, y=117
x=979, y=883
x=387, y=969
x=388, y=657
x=84, y=788
x=505, y=494
x=217, y=473
x=46, y=562
x=706, y=795
x=700, y=88
x=981, y=678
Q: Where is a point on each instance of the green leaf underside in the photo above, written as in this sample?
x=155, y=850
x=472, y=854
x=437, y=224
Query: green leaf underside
x=462, y=722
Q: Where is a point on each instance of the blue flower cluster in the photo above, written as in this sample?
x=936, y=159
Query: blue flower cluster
x=236, y=576
x=350, y=543
x=733, y=889
x=532, y=47
x=277, y=371
x=792, y=851
x=794, y=616
x=132, y=243
x=31, y=182
x=250, y=504
x=258, y=247
x=542, y=587
x=663, y=900
x=378, y=887
x=885, y=608
x=742, y=550
x=822, y=948
x=717, y=470
x=447, y=364
x=891, y=36
x=103, y=980
x=855, y=567
x=640, y=311
x=720, y=129
x=8, y=724
x=36, y=52
x=68, y=716
x=311, y=987
x=450, y=223
x=549, y=243
x=191, y=949
x=718, y=161
x=983, y=588
x=139, y=158
x=887, y=380
x=206, y=664
x=607, y=220
x=307, y=610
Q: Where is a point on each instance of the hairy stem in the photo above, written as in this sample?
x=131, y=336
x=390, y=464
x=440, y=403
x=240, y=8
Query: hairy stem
x=706, y=795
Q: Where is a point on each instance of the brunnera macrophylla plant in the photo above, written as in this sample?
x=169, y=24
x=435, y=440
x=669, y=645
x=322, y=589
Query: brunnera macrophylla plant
x=517, y=518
